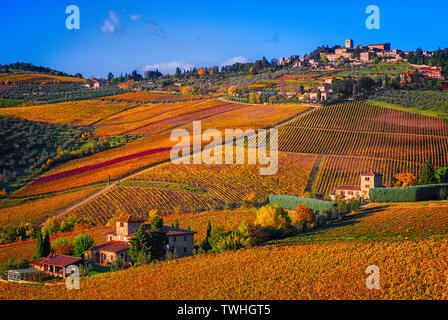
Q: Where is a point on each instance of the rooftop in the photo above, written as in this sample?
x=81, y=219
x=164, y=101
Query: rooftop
x=60, y=261
x=112, y=246
x=130, y=218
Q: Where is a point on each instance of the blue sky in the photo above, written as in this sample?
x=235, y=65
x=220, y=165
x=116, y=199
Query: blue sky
x=122, y=35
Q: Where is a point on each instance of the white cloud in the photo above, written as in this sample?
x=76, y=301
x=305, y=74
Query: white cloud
x=110, y=23
x=234, y=60
x=136, y=17
x=156, y=29
x=169, y=67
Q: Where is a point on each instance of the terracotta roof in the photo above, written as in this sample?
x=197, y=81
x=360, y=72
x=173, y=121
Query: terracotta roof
x=60, y=261
x=170, y=231
x=112, y=246
x=130, y=218
x=353, y=188
x=372, y=174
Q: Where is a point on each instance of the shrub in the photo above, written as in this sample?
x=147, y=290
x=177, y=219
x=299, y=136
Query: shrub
x=275, y=220
x=82, y=242
x=13, y=263
x=51, y=226
x=303, y=217
x=62, y=246
x=230, y=205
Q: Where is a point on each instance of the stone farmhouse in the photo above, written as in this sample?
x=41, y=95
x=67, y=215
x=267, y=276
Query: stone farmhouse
x=180, y=241
x=367, y=181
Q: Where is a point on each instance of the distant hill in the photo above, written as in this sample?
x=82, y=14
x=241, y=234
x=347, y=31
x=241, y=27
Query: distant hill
x=24, y=67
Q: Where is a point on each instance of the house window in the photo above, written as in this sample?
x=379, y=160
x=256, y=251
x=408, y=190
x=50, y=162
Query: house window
x=367, y=186
x=121, y=224
x=185, y=238
x=185, y=249
x=367, y=179
x=174, y=239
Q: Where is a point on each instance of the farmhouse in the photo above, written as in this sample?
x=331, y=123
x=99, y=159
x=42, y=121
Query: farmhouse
x=180, y=241
x=367, y=181
x=55, y=265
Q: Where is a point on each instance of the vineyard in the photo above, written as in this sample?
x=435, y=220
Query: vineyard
x=147, y=97
x=233, y=182
x=154, y=120
x=337, y=171
x=36, y=211
x=355, y=137
x=83, y=112
x=407, y=222
x=140, y=201
x=409, y=270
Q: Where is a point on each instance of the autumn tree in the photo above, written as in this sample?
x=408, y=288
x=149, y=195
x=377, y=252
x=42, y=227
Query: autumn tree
x=404, y=180
x=202, y=72
x=275, y=219
x=303, y=217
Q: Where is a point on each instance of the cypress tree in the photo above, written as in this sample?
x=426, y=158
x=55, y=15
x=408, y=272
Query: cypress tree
x=428, y=174
x=46, y=246
x=176, y=223
x=158, y=238
x=205, y=244
x=38, y=245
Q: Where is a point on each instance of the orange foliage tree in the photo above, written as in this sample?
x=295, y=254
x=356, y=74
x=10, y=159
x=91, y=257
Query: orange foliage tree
x=404, y=180
x=202, y=72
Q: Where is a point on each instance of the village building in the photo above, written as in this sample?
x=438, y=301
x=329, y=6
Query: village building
x=180, y=241
x=56, y=265
x=367, y=181
x=379, y=47
x=349, y=44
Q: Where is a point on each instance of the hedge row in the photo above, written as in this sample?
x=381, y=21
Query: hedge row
x=411, y=194
x=291, y=202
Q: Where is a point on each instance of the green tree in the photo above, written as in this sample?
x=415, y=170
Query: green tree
x=158, y=238
x=441, y=175
x=139, y=244
x=428, y=174
x=176, y=223
x=46, y=246
x=82, y=242
x=39, y=246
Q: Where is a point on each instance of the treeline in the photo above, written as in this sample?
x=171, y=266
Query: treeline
x=438, y=59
